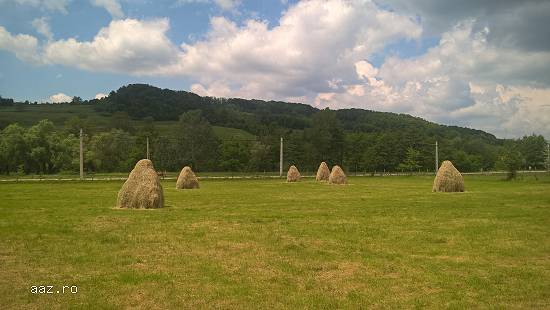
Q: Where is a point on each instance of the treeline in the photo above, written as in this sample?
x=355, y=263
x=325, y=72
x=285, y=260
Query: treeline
x=8, y=102
x=45, y=148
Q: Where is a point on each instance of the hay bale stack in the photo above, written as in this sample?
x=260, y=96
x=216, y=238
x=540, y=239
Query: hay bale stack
x=448, y=179
x=323, y=172
x=337, y=176
x=142, y=189
x=293, y=175
x=187, y=179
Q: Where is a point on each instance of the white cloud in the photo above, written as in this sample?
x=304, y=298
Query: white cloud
x=112, y=6
x=60, y=98
x=314, y=45
x=25, y=47
x=42, y=26
x=127, y=46
x=100, y=96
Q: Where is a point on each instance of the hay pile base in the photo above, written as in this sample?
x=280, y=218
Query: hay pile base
x=323, y=172
x=187, y=179
x=448, y=179
x=293, y=175
x=142, y=189
x=337, y=176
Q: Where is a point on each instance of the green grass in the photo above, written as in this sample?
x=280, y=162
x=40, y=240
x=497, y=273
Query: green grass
x=378, y=242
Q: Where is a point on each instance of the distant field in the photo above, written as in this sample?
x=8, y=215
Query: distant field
x=58, y=114
x=378, y=242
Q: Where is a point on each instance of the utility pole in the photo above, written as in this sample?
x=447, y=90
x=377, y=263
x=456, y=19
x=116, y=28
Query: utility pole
x=147, y=147
x=281, y=159
x=81, y=156
x=436, y=158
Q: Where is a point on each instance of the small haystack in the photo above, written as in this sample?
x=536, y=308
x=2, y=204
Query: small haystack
x=187, y=179
x=323, y=172
x=337, y=176
x=293, y=175
x=448, y=179
x=142, y=189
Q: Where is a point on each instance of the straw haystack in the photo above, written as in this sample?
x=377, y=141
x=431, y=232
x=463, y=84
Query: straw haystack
x=293, y=175
x=142, y=189
x=337, y=176
x=448, y=179
x=187, y=179
x=323, y=172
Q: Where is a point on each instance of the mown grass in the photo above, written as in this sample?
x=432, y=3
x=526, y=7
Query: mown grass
x=378, y=242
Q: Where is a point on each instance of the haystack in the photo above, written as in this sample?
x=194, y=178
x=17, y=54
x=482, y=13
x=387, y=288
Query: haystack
x=337, y=176
x=293, y=175
x=187, y=179
x=323, y=172
x=142, y=189
x=448, y=179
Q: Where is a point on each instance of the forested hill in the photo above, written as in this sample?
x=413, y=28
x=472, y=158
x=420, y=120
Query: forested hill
x=219, y=134
x=141, y=101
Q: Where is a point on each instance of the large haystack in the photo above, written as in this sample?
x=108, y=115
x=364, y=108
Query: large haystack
x=337, y=176
x=142, y=189
x=448, y=179
x=293, y=175
x=323, y=172
x=187, y=179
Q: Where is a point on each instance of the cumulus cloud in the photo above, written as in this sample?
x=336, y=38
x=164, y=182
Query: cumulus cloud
x=42, y=26
x=314, y=44
x=25, y=47
x=60, y=98
x=100, y=96
x=127, y=46
x=112, y=6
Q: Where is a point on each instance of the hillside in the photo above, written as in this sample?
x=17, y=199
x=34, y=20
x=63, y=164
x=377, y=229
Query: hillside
x=235, y=134
x=59, y=114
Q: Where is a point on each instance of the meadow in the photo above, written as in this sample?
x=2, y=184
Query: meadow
x=378, y=242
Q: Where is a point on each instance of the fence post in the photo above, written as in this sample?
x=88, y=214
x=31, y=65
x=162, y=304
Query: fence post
x=81, y=156
x=281, y=159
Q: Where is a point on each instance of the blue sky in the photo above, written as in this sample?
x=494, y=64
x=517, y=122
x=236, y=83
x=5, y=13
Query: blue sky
x=481, y=64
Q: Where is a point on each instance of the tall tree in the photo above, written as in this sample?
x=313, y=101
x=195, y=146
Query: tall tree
x=510, y=159
x=411, y=162
x=533, y=148
x=13, y=148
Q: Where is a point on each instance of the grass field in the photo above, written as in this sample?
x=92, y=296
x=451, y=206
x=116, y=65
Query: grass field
x=378, y=242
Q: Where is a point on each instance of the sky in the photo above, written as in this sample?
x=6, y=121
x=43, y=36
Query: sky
x=482, y=64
